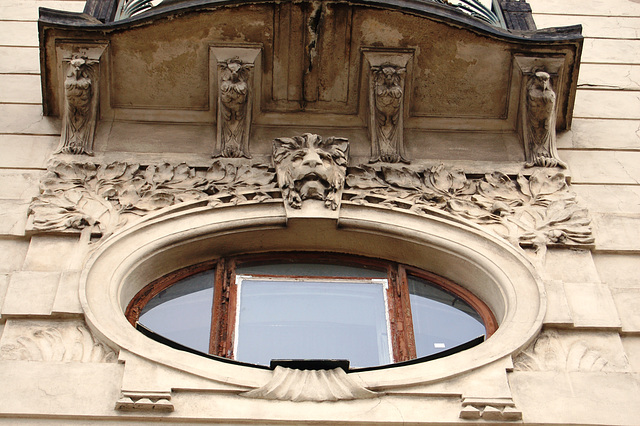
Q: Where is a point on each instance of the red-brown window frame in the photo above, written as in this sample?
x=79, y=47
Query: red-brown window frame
x=225, y=295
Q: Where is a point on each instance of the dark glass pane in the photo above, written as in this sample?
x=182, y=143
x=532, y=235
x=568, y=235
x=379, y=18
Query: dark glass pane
x=280, y=319
x=182, y=312
x=441, y=320
x=311, y=270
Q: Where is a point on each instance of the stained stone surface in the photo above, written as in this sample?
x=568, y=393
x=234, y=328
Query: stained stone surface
x=583, y=367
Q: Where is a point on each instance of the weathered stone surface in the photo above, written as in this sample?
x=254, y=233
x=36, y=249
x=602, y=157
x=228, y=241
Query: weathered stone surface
x=610, y=198
x=558, y=312
x=66, y=300
x=568, y=350
x=23, y=34
x=606, y=51
x=12, y=217
x=577, y=398
x=617, y=231
x=27, y=119
x=586, y=7
x=50, y=253
x=592, y=305
x=20, y=89
x=603, y=167
x=607, y=104
x=618, y=270
x=18, y=184
x=616, y=27
x=154, y=138
x=12, y=221
x=29, y=152
x=30, y=293
x=605, y=134
x=4, y=285
x=570, y=266
x=19, y=60
x=632, y=349
x=610, y=77
x=28, y=10
x=543, y=397
x=89, y=389
x=52, y=341
x=627, y=302
x=12, y=253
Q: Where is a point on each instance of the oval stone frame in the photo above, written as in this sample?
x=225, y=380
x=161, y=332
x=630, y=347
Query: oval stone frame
x=186, y=234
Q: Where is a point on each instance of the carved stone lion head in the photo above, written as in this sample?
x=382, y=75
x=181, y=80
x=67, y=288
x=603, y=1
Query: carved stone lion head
x=309, y=167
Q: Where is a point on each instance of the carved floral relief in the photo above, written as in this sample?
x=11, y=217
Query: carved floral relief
x=556, y=350
x=57, y=341
x=106, y=196
x=528, y=211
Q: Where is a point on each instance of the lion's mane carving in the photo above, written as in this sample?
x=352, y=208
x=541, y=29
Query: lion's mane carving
x=309, y=167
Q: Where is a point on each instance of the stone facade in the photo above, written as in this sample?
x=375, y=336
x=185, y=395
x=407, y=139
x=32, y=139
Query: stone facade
x=80, y=233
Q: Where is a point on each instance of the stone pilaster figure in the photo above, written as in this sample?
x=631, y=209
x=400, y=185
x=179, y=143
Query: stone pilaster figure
x=80, y=108
x=539, y=125
x=387, y=100
x=234, y=112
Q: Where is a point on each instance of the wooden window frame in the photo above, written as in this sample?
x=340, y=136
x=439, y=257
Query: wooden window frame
x=225, y=299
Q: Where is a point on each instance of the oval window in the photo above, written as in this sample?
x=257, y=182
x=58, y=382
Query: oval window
x=260, y=309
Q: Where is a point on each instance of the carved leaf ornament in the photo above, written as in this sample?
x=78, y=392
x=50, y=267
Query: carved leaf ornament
x=107, y=196
x=57, y=344
x=533, y=211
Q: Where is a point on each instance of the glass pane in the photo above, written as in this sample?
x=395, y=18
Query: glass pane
x=441, y=320
x=311, y=270
x=280, y=319
x=182, y=312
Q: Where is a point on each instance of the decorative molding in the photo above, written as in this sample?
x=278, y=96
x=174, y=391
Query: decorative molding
x=309, y=167
x=235, y=70
x=534, y=211
x=107, y=196
x=145, y=401
x=500, y=409
x=554, y=351
x=60, y=342
x=289, y=384
x=386, y=104
x=81, y=85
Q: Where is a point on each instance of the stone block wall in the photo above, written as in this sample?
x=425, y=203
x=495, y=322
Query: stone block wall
x=583, y=369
